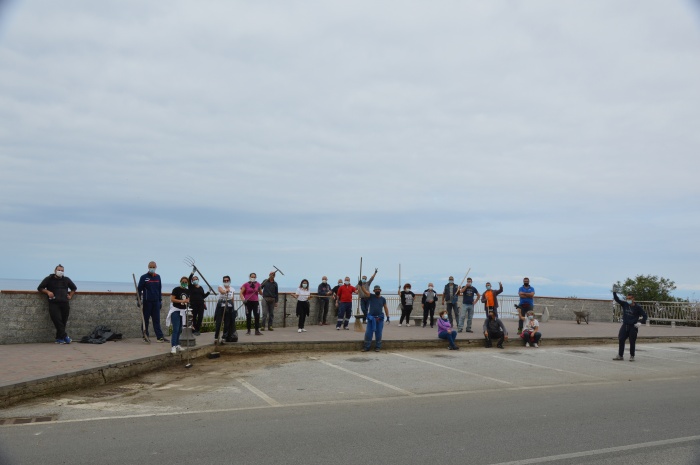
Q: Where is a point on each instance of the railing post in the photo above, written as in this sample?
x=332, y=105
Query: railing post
x=284, y=311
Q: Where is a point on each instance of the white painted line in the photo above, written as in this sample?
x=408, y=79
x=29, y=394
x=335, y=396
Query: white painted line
x=381, y=383
x=272, y=402
x=168, y=386
x=622, y=363
x=609, y=450
x=453, y=369
x=670, y=359
x=547, y=368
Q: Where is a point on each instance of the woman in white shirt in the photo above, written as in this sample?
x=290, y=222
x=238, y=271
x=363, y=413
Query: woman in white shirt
x=531, y=332
x=303, y=294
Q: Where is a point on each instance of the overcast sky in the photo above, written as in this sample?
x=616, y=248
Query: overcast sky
x=549, y=139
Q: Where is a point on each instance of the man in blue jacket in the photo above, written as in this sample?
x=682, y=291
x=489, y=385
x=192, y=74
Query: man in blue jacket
x=152, y=298
x=631, y=313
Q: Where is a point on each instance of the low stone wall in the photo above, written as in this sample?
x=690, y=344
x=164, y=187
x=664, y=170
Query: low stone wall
x=26, y=316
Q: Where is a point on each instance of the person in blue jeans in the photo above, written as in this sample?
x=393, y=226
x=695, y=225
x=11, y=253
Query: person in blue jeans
x=527, y=302
x=470, y=297
x=179, y=299
x=375, y=319
x=445, y=330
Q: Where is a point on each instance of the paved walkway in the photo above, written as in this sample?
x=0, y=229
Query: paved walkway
x=26, y=364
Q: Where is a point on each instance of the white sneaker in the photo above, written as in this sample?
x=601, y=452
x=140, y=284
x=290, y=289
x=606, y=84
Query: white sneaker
x=303, y=330
x=527, y=344
x=535, y=345
x=179, y=348
x=173, y=350
x=399, y=325
x=407, y=324
x=298, y=331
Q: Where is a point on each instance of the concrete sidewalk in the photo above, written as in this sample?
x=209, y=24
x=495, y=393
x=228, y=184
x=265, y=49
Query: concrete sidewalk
x=30, y=370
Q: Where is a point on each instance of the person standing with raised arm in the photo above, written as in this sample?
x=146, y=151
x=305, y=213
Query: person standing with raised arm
x=631, y=313
x=490, y=299
x=364, y=293
x=470, y=296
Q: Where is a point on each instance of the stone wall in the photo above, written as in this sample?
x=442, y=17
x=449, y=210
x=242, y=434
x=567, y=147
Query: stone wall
x=26, y=316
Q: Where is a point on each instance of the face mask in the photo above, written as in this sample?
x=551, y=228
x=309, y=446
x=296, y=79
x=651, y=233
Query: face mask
x=304, y=285
x=227, y=284
x=444, y=317
x=59, y=274
x=491, y=316
x=377, y=293
x=526, y=284
x=430, y=287
x=469, y=284
x=183, y=285
x=452, y=281
x=152, y=270
x=324, y=281
x=530, y=317
x=252, y=280
x=364, y=280
x=347, y=283
x=195, y=281
x=340, y=283
x=488, y=287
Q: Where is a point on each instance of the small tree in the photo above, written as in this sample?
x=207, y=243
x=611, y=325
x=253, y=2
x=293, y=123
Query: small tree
x=649, y=288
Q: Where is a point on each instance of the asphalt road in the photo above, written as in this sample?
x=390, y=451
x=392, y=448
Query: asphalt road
x=562, y=405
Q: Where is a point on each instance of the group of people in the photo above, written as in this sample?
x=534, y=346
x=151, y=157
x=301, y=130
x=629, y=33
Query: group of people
x=188, y=301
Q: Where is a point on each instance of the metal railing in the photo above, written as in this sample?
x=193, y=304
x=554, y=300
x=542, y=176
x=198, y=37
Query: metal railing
x=687, y=313
x=506, y=308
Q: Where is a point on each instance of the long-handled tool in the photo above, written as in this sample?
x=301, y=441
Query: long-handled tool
x=138, y=304
x=358, y=314
x=188, y=322
x=277, y=269
x=459, y=289
x=399, y=307
x=189, y=261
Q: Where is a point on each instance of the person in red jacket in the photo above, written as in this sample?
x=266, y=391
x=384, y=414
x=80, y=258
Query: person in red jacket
x=345, y=293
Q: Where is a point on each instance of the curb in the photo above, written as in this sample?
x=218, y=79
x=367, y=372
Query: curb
x=111, y=373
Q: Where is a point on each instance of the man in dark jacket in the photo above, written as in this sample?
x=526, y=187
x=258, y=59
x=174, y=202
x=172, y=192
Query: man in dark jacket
x=270, y=295
x=150, y=288
x=60, y=290
x=494, y=329
x=428, y=302
x=325, y=294
x=450, y=299
x=631, y=313
x=197, y=296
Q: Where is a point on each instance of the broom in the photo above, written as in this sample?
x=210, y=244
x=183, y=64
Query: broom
x=358, y=315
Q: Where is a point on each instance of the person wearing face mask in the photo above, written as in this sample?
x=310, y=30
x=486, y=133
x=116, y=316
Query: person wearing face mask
x=445, y=330
x=363, y=292
x=325, y=294
x=631, y=313
x=60, y=290
x=449, y=295
x=270, y=294
x=334, y=291
x=407, y=299
x=531, y=330
x=428, y=302
x=179, y=299
x=490, y=299
x=249, y=294
x=150, y=288
x=375, y=320
x=345, y=293
x=303, y=294
x=470, y=296
x=527, y=302
x=197, y=296
x=494, y=329
x=224, y=311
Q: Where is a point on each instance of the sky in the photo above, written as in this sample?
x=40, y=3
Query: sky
x=548, y=139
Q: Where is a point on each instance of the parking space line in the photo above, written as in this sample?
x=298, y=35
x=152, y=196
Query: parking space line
x=547, y=368
x=609, y=450
x=688, y=352
x=450, y=368
x=272, y=402
x=360, y=375
x=671, y=359
x=634, y=366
